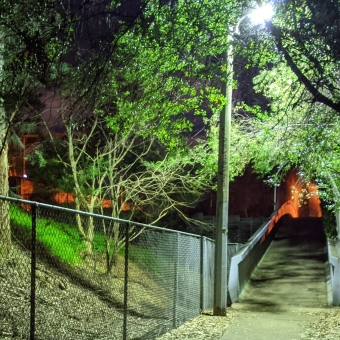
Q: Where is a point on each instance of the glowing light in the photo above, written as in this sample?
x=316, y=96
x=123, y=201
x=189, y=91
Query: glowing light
x=261, y=14
x=24, y=176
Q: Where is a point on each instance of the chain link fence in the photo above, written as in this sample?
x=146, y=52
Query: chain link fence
x=66, y=274
x=241, y=230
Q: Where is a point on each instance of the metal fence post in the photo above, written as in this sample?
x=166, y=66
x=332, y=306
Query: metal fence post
x=202, y=239
x=175, y=283
x=126, y=278
x=33, y=270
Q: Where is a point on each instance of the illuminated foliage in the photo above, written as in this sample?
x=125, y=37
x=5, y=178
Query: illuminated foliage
x=306, y=33
x=295, y=133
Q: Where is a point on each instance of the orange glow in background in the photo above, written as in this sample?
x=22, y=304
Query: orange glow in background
x=305, y=197
x=68, y=198
x=301, y=201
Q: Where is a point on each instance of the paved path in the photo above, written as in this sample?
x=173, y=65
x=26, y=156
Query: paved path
x=289, y=282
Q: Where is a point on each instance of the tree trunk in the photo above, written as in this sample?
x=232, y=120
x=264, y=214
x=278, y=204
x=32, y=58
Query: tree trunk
x=112, y=254
x=89, y=236
x=86, y=229
x=5, y=229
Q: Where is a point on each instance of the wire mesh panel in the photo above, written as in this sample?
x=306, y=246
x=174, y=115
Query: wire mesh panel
x=188, y=279
x=166, y=293
x=242, y=230
x=208, y=262
x=151, y=289
x=66, y=274
x=79, y=276
x=15, y=271
x=233, y=232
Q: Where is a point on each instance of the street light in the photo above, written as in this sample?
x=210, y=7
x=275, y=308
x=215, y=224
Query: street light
x=222, y=206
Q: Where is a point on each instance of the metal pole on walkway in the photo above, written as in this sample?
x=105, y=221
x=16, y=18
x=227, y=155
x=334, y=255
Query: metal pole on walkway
x=221, y=284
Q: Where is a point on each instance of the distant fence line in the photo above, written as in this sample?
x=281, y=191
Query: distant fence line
x=53, y=287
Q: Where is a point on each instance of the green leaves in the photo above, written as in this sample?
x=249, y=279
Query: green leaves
x=298, y=133
x=304, y=32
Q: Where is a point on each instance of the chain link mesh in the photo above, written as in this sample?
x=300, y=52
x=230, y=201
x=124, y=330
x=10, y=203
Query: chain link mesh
x=78, y=274
x=87, y=284
x=171, y=292
x=208, y=261
x=15, y=272
x=241, y=231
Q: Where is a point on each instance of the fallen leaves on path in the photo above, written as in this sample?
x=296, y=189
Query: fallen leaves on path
x=204, y=327
x=326, y=326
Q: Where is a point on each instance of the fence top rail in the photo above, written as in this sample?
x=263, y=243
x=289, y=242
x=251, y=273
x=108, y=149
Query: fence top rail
x=84, y=213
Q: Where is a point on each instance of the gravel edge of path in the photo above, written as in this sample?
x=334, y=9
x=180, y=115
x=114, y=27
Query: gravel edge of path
x=325, y=326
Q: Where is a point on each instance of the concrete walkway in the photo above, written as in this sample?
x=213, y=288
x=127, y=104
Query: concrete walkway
x=289, y=282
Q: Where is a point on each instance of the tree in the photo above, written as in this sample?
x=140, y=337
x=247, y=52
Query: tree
x=37, y=42
x=5, y=236
x=160, y=71
x=295, y=133
x=123, y=164
x=28, y=60
x=160, y=60
x=295, y=124
x=306, y=33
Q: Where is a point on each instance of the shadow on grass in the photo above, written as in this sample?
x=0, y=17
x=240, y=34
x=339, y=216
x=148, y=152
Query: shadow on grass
x=22, y=236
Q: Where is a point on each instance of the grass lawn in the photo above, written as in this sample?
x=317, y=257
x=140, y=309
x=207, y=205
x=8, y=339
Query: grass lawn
x=63, y=241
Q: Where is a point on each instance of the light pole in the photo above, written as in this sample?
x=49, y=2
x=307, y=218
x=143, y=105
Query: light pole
x=222, y=205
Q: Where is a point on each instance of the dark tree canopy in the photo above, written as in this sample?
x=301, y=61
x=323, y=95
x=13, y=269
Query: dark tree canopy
x=307, y=33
